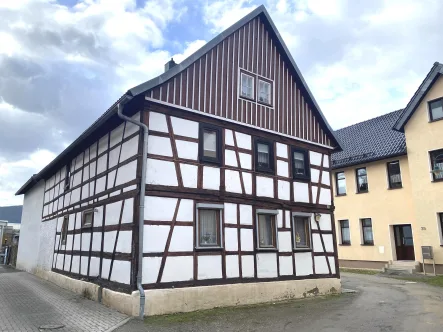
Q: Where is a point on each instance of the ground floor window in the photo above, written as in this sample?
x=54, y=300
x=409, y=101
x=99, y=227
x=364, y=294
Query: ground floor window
x=366, y=224
x=266, y=229
x=209, y=225
x=344, y=232
x=302, y=231
x=440, y=218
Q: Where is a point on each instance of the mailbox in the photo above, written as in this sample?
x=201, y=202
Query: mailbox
x=426, y=252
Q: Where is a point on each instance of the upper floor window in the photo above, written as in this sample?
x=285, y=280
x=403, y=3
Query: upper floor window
x=340, y=181
x=437, y=164
x=266, y=229
x=344, y=232
x=436, y=109
x=264, y=156
x=302, y=231
x=264, y=92
x=64, y=232
x=362, y=180
x=394, y=175
x=247, y=86
x=210, y=144
x=209, y=225
x=366, y=225
x=68, y=177
x=300, y=164
x=87, y=218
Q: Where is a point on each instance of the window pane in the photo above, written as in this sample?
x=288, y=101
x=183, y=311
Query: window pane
x=263, y=154
x=301, y=226
x=299, y=163
x=341, y=183
x=437, y=164
x=207, y=228
x=362, y=180
x=436, y=109
x=247, y=86
x=210, y=143
x=264, y=91
x=265, y=231
x=87, y=219
x=367, y=231
x=394, y=174
x=346, y=238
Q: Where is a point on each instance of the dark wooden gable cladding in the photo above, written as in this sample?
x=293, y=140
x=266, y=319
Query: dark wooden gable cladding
x=211, y=85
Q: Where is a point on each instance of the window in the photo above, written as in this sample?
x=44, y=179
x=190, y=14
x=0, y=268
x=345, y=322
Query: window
x=209, y=225
x=302, y=231
x=210, y=144
x=436, y=109
x=64, y=233
x=87, y=218
x=344, y=232
x=340, y=181
x=68, y=177
x=264, y=92
x=394, y=175
x=300, y=164
x=440, y=217
x=247, y=86
x=264, y=156
x=266, y=229
x=366, y=225
x=362, y=180
x=437, y=164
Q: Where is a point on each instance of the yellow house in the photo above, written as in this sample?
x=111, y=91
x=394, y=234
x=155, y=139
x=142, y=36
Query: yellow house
x=388, y=184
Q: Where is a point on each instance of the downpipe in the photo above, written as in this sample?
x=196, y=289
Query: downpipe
x=141, y=213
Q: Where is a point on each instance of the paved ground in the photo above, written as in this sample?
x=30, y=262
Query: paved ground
x=381, y=304
x=27, y=303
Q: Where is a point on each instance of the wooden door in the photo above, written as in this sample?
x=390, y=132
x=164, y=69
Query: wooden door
x=404, y=242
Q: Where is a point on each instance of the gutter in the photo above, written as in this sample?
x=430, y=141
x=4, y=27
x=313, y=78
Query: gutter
x=145, y=129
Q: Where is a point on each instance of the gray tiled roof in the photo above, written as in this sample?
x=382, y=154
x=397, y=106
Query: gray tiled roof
x=369, y=140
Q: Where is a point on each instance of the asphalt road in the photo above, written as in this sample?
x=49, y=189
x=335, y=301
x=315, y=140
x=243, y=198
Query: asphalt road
x=380, y=304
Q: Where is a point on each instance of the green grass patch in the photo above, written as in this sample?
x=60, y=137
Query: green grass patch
x=430, y=280
x=360, y=271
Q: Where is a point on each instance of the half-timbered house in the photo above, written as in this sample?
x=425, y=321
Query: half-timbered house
x=237, y=192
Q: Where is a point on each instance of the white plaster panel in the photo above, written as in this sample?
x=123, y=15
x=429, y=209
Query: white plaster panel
x=247, y=182
x=282, y=150
x=321, y=266
x=77, y=179
x=129, y=149
x=285, y=265
x=113, y=213
x=279, y=217
x=111, y=179
x=211, y=178
x=243, y=140
x=86, y=240
x=92, y=151
x=116, y=135
x=315, y=158
x=229, y=138
x=325, y=178
x=151, y=267
x=178, y=269
x=67, y=262
x=94, y=267
x=230, y=211
x=315, y=173
x=314, y=193
x=267, y=265
x=245, y=160
x=59, y=262
x=109, y=241
x=325, y=196
x=161, y=172
x=230, y=158
x=187, y=150
x=106, y=265
x=160, y=145
x=326, y=161
x=71, y=221
x=69, y=239
x=159, y=208
x=284, y=241
x=288, y=219
x=282, y=168
x=75, y=196
x=76, y=242
x=325, y=222
x=128, y=210
x=113, y=156
x=124, y=243
x=209, y=267
x=157, y=122
x=284, y=190
x=329, y=244
x=232, y=270
x=103, y=144
x=332, y=264
x=96, y=241
x=182, y=239
x=86, y=173
x=231, y=240
x=121, y=272
x=245, y=214
x=184, y=127
x=185, y=210
x=232, y=180
x=247, y=265
x=101, y=163
x=155, y=237
x=78, y=164
x=92, y=167
x=313, y=223
x=265, y=186
x=132, y=128
x=303, y=264
x=316, y=243
x=84, y=265
x=100, y=184
x=246, y=240
x=126, y=173
x=189, y=175
x=75, y=264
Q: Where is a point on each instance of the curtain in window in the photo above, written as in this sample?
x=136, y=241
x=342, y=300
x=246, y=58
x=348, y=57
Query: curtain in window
x=301, y=232
x=210, y=144
x=246, y=86
x=264, y=91
x=368, y=234
x=263, y=154
x=438, y=165
x=265, y=230
x=299, y=163
x=208, y=227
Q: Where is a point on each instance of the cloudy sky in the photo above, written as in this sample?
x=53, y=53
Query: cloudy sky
x=63, y=63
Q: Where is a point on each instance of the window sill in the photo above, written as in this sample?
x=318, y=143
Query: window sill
x=302, y=250
x=435, y=120
x=204, y=160
x=437, y=180
x=247, y=98
x=265, y=171
x=302, y=179
x=267, y=249
x=345, y=244
x=367, y=244
x=339, y=195
x=362, y=192
x=208, y=248
x=395, y=188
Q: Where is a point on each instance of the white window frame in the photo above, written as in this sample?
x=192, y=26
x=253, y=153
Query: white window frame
x=241, y=85
x=208, y=206
x=336, y=184
x=362, y=238
x=257, y=237
x=83, y=218
x=340, y=234
x=303, y=215
x=270, y=92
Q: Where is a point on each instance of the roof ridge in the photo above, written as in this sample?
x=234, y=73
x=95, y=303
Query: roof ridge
x=371, y=119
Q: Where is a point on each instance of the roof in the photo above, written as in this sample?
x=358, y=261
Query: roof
x=425, y=86
x=369, y=140
x=71, y=150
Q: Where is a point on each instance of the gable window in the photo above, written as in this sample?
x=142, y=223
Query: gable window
x=68, y=176
x=362, y=180
x=210, y=144
x=209, y=225
x=264, y=92
x=302, y=230
x=394, y=175
x=437, y=164
x=340, y=181
x=344, y=232
x=247, y=86
x=264, y=156
x=266, y=229
x=64, y=232
x=300, y=164
x=366, y=226
x=87, y=218
x=436, y=109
